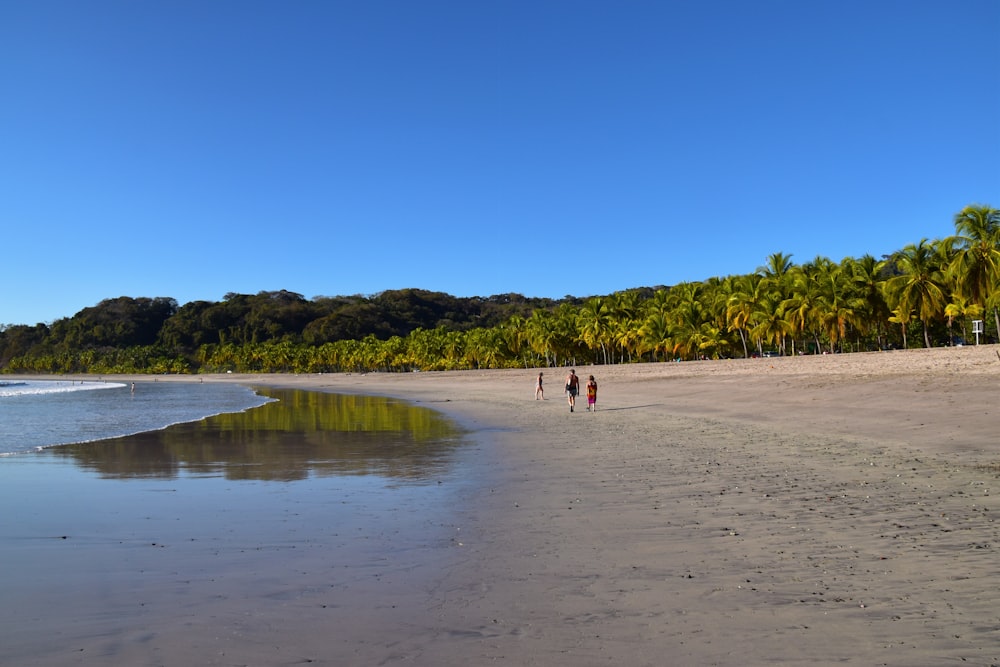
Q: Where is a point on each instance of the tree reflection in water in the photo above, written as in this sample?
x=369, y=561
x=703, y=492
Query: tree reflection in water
x=299, y=435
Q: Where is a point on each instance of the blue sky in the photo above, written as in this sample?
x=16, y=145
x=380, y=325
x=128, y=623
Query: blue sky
x=189, y=149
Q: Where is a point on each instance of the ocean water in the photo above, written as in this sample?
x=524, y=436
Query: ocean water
x=35, y=415
x=169, y=430
x=128, y=511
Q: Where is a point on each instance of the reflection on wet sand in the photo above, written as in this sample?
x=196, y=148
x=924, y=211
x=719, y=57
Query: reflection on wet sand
x=301, y=434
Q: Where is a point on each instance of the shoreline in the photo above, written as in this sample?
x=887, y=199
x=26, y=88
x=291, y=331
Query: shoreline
x=809, y=510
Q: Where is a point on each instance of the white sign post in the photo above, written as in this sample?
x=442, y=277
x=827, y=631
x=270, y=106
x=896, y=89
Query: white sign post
x=977, y=328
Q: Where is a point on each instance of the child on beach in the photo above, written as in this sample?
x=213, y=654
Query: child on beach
x=592, y=395
x=538, y=388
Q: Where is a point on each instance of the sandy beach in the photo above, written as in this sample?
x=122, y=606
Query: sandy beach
x=834, y=509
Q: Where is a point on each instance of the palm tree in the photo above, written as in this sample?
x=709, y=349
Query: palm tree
x=802, y=307
x=624, y=304
x=626, y=335
x=715, y=299
x=515, y=335
x=902, y=315
x=835, y=309
x=963, y=308
x=742, y=304
x=976, y=263
x=920, y=286
x=594, y=325
x=483, y=348
x=453, y=348
x=656, y=332
x=714, y=341
x=624, y=309
x=771, y=324
x=566, y=339
x=777, y=267
x=867, y=278
x=777, y=275
x=541, y=332
x=688, y=316
x=427, y=348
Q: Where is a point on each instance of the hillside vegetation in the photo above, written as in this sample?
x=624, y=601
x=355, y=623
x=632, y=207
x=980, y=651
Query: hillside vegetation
x=928, y=293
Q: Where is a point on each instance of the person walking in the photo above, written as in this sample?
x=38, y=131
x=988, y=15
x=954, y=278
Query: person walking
x=572, y=388
x=539, y=392
x=592, y=395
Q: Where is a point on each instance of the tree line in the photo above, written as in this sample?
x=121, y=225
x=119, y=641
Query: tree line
x=926, y=294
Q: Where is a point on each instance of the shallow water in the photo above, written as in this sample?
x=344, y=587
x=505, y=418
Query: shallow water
x=103, y=542
x=298, y=435
x=35, y=414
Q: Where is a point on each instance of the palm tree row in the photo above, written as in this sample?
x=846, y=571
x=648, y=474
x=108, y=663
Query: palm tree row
x=920, y=292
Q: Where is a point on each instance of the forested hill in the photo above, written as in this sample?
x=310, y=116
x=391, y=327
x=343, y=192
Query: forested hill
x=246, y=319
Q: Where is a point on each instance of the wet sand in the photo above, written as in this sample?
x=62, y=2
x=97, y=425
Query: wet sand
x=813, y=510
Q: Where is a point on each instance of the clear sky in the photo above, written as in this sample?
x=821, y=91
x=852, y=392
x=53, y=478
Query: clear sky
x=193, y=148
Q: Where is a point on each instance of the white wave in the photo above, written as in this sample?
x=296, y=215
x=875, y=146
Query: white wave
x=10, y=388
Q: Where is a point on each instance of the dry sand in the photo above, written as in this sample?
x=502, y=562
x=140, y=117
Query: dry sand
x=812, y=510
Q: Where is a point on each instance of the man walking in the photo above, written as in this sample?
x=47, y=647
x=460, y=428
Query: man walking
x=572, y=388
